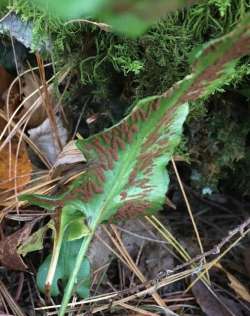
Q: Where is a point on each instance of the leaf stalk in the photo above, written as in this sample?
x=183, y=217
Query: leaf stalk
x=73, y=278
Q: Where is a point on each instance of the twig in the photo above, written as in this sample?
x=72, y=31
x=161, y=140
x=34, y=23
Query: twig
x=161, y=277
x=103, y=26
x=214, y=251
x=134, y=267
x=189, y=211
x=10, y=301
x=20, y=287
x=46, y=98
x=217, y=259
x=141, y=236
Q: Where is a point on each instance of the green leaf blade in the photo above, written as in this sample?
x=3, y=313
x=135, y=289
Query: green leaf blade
x=132, y=156
x=127, y=173
x=64, y=268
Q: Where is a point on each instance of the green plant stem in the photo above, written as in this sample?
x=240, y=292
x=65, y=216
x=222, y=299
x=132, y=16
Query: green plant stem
x=73, y=277
x=53, y=263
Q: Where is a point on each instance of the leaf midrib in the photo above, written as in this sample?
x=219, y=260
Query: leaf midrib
x=127, y=158
x=145, y=129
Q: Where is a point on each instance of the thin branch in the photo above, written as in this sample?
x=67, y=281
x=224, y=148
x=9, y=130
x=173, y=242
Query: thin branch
x=160, y=280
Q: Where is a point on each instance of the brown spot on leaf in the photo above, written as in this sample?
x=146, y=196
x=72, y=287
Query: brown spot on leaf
x=131, y=209
x=240, y=48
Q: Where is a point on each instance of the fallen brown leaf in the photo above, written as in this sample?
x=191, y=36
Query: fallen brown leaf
x=14, y=171
x=214, y=306
x=247, y=260
x=238, y=287
x=2, y=121
x=8, y=248
x=43, y=137
x=5, y=80
x=30, y=83
x=69, y=155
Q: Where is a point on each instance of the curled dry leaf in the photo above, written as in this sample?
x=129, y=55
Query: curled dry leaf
x=8, y=248
x=30, y=83
x=70, y=155
x=15, y=170
x=42, y=136
x=32, y=98
x=70, y=162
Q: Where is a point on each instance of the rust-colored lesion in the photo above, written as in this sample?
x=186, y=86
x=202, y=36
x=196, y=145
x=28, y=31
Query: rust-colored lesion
x=241, y=47
x=131, y=209
x=108, y=146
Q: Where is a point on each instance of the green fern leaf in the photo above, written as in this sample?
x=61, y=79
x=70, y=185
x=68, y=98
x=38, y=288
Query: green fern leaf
x=127, y=175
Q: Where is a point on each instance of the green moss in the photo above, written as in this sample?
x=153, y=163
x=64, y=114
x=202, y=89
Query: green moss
x=215, y=18
x=3, y=7
x=150, y=63
x=217, y=140
x=4, y=4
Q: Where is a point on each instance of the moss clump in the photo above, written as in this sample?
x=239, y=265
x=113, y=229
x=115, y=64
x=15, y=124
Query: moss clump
x=149, y=64
x=215, y=17
x=218, y=142
x=3, y=5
